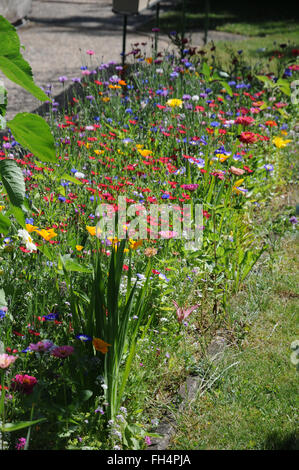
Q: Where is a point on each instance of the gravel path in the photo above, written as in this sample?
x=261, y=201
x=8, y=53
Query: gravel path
x=58, y=33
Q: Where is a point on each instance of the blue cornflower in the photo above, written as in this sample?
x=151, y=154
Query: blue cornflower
x=2, y=313
x=51, y=316
x=83, y=338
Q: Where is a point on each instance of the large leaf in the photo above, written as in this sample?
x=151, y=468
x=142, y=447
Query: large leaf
x=31, y=131
x=13, y=181
x=12, y=63
x=4, y=224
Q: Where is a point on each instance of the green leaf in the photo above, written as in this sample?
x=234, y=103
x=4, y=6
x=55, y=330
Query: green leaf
x=4, y=224
x=206, y=70
x=19, y=215
x=13, y=181
x=227, y=88
x=266, y=80
x=47, y=252
x=284, y=86
x=12, y=63
x=71, y=264
x=31, y=131
x=3, y=302
x=70, y=178
x=84, y=395
x=9, y=427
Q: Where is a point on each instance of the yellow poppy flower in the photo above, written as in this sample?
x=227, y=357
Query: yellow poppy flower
x=174, y=103
x=46, y=234
x=79, y=247
x=135, y=244
x=222, y=157
x=91, y=230
x=280, y=143
x=31, y=228
x=145, y=152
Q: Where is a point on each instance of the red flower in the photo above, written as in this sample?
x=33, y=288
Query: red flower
x=248, y=137
x=244, y=120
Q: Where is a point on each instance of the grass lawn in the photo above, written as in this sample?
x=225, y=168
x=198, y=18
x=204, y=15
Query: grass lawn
x=253, y=405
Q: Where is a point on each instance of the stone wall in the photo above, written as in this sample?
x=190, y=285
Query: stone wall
x=14, y=10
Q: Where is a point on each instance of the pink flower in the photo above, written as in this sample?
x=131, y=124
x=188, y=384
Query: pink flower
x=21, y=443
x=62, y=351
x=6, y=360
x=189, y=187
x=148, y=440
x=90, y=52
x=24, y=383
x=183, y=313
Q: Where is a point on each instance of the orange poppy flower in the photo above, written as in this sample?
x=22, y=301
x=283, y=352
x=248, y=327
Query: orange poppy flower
x=100, y=345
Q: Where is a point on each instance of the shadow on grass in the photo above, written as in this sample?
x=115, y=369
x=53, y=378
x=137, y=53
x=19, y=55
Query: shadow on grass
x=275, y=441
x=234, y=16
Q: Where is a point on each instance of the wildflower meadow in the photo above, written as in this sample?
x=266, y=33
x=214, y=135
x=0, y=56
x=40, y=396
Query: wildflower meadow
x=130, y=216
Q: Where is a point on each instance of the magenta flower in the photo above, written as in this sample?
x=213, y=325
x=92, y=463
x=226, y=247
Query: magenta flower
x=24, y=383
x=190, y=187
x=21, y=443
x=62, y=351
x=90, y=52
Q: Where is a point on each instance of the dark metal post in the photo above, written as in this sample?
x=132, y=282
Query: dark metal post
x=207, y=8
x=157, y=26
x=124, y=40
x=183, y=28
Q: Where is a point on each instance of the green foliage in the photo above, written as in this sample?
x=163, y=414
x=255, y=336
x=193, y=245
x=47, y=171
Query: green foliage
x=12, y=63
x=13, y=181
x=33, y=133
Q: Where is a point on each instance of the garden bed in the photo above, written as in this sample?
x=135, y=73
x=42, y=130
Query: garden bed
x=102, y=331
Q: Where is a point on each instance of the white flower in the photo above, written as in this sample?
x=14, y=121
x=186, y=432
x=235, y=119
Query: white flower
x=195, y=98
x=27, y=240
x=79, y=175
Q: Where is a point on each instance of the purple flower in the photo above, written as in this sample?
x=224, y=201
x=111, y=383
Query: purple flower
x=42, y=346
x=293, y=220
x=268, y=167
x=62, y=79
